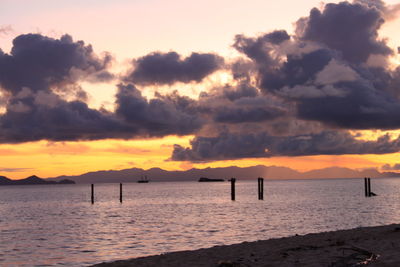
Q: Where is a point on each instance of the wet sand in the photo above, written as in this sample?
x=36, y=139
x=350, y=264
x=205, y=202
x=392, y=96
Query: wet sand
x=371, y=246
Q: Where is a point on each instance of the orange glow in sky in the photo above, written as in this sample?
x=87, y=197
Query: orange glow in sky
x=50, y=159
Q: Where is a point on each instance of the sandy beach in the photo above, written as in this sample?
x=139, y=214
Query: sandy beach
x=372, y=246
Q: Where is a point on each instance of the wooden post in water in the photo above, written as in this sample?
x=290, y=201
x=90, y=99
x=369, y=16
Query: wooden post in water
x=366, y=186
x=92, y=198
x=369, y=187
x=260, y=188
x=120, y=192
x=233, y=180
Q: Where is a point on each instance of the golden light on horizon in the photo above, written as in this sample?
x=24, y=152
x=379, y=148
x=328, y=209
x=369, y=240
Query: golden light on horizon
x=50, y=159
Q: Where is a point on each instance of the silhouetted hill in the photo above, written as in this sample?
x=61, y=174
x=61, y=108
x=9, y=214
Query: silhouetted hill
x=4, y=180
x=270, y=172
x=31, y=180
x=339, y=172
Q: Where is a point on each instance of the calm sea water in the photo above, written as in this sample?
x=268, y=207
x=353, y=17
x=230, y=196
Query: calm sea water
x=56, y=224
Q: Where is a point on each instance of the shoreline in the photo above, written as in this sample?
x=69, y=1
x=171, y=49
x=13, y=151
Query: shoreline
x=372, y=246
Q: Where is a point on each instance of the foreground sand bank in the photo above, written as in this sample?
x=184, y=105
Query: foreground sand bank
x=373, y=246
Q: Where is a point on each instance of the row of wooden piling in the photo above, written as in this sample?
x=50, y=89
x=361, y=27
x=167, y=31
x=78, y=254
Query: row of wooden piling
x=233, y=191
x=367, y=187
x=260, y=188
x=120, y=193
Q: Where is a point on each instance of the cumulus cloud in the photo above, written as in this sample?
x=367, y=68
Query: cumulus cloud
x=389, y=12
x=40, y=71
x=32, y=116
x=364, y=107
x=239, y=104
x=351, y=29
x=66, y=121
x=296, y=70
x=167, y=68
x=234, y=146
x=335, y=72
x=39, y=63
x=258, y=49
x=158, y=116
x=248, y=110
x=304, y=91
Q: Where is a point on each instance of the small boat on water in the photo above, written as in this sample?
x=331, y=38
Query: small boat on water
x=205, y=179
x=143, y=179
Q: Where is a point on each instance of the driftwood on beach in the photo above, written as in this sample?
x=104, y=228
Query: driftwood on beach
x=371, y=246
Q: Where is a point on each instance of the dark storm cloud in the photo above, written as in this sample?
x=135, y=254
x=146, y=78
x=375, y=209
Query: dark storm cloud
x=362, y=108
x=234, y=146
x=246, y=114
x=32, y=116
x=296, y=70
x=247, y=109
x=39, y=62
x=391, y=82
x=258, y=49
x=28, y=119
x=332, y=73
x=389, y=12
x=33, y=72
x=239, y=104
x=167, y=68
x=40, y=72
x=328, y=74
x=240, y=91
x=157, y=117
x=349, y=28
x=326, y=90
x=224, y=146
x=242, y=70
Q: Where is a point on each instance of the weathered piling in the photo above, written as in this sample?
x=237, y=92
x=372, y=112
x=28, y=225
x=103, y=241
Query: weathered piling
x=233, y=180
x=366, y=186
x=369, y=187
x=260, y=188
x=92, y=198
x=120, y=192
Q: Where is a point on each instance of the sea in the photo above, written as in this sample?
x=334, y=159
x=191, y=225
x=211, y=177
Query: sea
x=56, y=225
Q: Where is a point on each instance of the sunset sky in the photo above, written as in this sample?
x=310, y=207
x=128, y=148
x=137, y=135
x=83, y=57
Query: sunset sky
x=97, y=84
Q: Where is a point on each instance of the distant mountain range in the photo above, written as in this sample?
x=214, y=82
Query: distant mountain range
x=247, y=173
x=31, y=180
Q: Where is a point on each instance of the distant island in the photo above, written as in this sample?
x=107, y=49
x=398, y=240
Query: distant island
x=205, y=179
x=207, y=175
x=245, y=173
x=32, y=180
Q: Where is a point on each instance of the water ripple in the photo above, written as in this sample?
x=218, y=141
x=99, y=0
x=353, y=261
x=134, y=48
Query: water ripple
x=57, y=225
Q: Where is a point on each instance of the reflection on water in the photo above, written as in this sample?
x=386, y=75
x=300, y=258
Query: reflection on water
x=57, y=225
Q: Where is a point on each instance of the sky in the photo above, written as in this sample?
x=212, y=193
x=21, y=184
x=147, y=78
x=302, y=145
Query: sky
x=97, y=85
